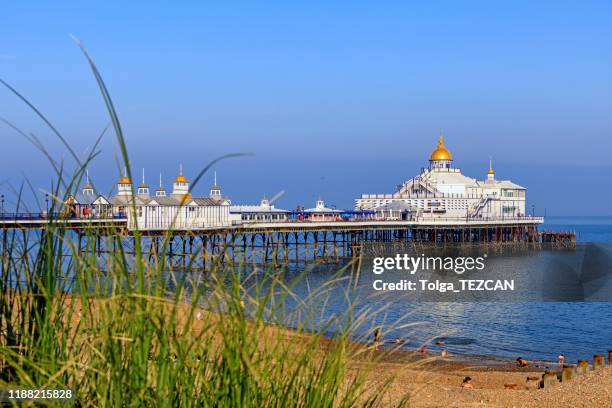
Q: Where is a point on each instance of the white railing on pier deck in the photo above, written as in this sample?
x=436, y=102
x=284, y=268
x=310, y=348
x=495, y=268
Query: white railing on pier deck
x=37, y=219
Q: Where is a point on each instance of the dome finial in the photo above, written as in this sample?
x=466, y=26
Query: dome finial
x=491, y=171
x=181, y=178
x=441, y=152
x=88, y=185
x=125, y=179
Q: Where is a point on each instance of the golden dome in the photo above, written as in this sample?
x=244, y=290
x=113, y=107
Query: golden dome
x=124, y=180
x=441, y=152
x=181, y=179
x=491, y=171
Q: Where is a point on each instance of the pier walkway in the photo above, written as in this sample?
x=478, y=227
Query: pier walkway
x=40, y=220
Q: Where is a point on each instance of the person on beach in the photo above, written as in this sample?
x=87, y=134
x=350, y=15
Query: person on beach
x=423, y=348
x=561, y=359
x=521, y=362
x=467, y=383
x=377, y=337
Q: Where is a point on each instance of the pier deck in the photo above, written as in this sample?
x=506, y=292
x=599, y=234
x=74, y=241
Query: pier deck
x=291, y=241
x=37, y=221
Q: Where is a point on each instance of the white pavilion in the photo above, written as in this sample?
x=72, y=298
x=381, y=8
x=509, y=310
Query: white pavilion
x=442, y=191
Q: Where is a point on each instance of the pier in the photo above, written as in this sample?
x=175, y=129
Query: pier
x=279, y=243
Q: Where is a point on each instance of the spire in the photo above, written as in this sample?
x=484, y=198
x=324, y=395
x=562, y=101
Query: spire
x=143, y=189
x=160, y=192
x=88, y=185
x=181, y=178
x=215, y=190
x=87, y=188
x=124, y=179
x=491, y=172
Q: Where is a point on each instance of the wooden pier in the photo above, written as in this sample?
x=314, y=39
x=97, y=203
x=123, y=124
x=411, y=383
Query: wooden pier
x=290, y=242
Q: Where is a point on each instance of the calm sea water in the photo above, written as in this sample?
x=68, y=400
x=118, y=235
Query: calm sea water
x=538, y=330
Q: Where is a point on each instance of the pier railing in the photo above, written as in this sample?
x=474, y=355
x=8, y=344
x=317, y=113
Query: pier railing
x=370, y=218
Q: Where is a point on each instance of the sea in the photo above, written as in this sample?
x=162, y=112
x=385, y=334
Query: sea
x=561, y=303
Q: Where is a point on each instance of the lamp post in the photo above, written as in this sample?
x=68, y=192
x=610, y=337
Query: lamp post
x=533, y=210
x=47, y=203
x=2, y=200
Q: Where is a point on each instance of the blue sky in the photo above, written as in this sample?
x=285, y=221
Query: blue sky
x=332, y=99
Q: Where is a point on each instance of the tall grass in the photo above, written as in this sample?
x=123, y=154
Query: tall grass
x=120, y=329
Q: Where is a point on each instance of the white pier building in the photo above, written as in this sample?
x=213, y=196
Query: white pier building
x=264, y=212
x=442, y=191
x=177, y=210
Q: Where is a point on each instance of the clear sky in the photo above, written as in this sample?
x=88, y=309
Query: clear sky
x=332, y=98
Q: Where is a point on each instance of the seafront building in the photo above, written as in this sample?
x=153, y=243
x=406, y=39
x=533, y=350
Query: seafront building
x=442, y=191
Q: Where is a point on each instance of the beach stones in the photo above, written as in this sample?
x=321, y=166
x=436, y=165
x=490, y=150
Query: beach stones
x=549, y=378
x=582, y=367
x=598, y=361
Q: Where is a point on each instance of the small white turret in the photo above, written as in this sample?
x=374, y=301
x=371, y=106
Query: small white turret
x=88, y=189
x=490, y=172
x=124, y=186
x=215, y=189
x=160, y=192
x=180, y=187
x=143, y=188
x=265, y=203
